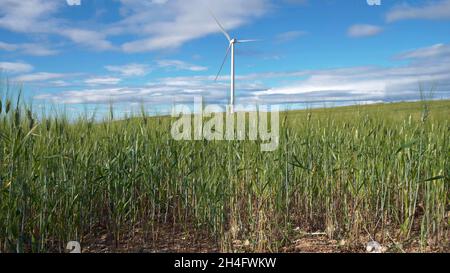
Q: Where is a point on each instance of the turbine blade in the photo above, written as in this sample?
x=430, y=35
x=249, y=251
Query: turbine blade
x=220, y=25
x=223, y=63
x=247, y=41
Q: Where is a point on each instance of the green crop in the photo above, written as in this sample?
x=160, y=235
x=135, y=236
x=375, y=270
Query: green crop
x=348, y=171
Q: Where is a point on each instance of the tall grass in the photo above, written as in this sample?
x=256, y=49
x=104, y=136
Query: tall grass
x=380, y=170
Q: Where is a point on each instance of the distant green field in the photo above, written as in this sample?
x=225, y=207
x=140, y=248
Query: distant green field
x=399, y=110
x=379, y=171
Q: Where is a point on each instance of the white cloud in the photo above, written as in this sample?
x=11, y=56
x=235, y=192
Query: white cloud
x=432, y=10
x=103, y=81
x=32, y=49
x=176, y=22
x=337, y=86
x=436, y=50
x=40, y=17
x=88, y=38
x=28, y=16
x=164, y=91
x=60, y=83
x=180, y=65
x=7, y=47
x=370, y=83
x=343, y=85
x=363, y=30
x=38, y=77
x=153, y=25
x=129, y=70
x=15, y=67
x=289, y=36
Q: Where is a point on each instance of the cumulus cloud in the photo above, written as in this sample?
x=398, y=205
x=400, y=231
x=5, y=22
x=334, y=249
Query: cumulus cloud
x=363, y=30
x=431, y=10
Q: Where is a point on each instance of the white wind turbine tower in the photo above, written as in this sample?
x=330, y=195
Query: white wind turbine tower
x=232, y=42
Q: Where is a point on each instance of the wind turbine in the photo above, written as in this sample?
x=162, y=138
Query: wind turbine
x=232, y=43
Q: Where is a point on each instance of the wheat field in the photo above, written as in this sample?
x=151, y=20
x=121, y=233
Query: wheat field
x=376, y=171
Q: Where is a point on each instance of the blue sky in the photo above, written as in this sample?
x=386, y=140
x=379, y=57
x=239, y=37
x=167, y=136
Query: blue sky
x=160, y=52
